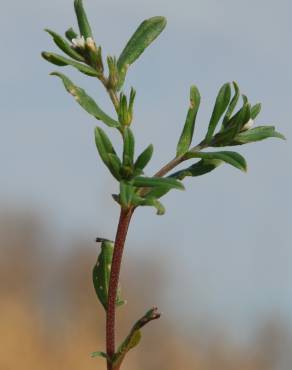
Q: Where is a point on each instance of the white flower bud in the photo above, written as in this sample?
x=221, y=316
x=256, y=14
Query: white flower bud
x=248, y=125
x=79, y=42
x=90, y=44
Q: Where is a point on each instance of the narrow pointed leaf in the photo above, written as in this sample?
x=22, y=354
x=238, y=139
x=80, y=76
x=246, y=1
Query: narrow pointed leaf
x=132, y=100
x=255, y=110
x=257, y=134
x=134, y=337
x=107, y=153
x=244, y=98
x=129, y=147
x=101, y=273
x=232, y=105
x=83, y=23
x=115, y=166
x=65, y=46
x=59, y=60
x=198, y=169
x=157, y=192
x=157, y=181
x=222, y=102
x=144, y=158
x=232, y=158
x=99, y=354
x=154, y=202
x=86, y=101
x=240, y=119
x=146, y=33
x=233, y=127
x=188, y=130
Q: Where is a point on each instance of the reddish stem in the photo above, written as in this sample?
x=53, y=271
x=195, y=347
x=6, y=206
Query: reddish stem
x=124, y=221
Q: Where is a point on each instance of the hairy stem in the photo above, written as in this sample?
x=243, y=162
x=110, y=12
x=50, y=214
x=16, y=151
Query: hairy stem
x=124, y=221
x=177, y=160
x=169, y=166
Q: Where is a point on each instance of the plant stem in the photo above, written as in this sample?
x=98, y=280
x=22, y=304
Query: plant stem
x=177, y=160
x=169, y=166
x=112, y=94
x=124, y=221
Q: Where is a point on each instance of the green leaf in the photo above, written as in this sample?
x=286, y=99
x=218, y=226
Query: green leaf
x=222, y=101
x=86, y=101
x=156, y=182
x=245, y=99
x=188, y=130
x=126, y=194
x=115, y=166
x=65, y=46
x=101, y=274
x=232, y=105
x=256, y=134
x=232, y=158
x=233, y=127
x=99, y=354
x=131, y=101
x=83, y=23
x=144, y=158
x=59, y=60
x=71, y=34
x=130, y=342
x=154, y=202
x=158, y=192
x=240, y=118
x=107, y=153
x=129, y=147
x=134, y=337
x=146, y=33
x=255, y=110
x=198, y=169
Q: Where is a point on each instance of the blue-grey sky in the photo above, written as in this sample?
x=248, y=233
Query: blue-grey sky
x=226, y=241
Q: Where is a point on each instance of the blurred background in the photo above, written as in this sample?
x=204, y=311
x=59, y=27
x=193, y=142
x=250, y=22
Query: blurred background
x=218, y=264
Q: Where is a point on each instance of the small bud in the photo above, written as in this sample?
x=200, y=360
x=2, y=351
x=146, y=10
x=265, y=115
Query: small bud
x=78, y=42
x=248, y=125
x=113, y=72
x=90, y=44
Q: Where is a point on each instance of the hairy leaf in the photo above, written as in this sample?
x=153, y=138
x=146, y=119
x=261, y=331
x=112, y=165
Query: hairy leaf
x=83, y=23
x=233, y=127
x=134, y=337
x=65, y=46
x=188, y=130
x=99, y=354
x=59, y=60
x=232, y=158
x=144, y=158
x=129, y=147
x=101, y=274
x=256, y=134
x=107, y=153
x=255, y=110
x=232, y=105
x=156, y=182
x=198, y=169
x=146, y=33
x=86, y=101
x=222, y=101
